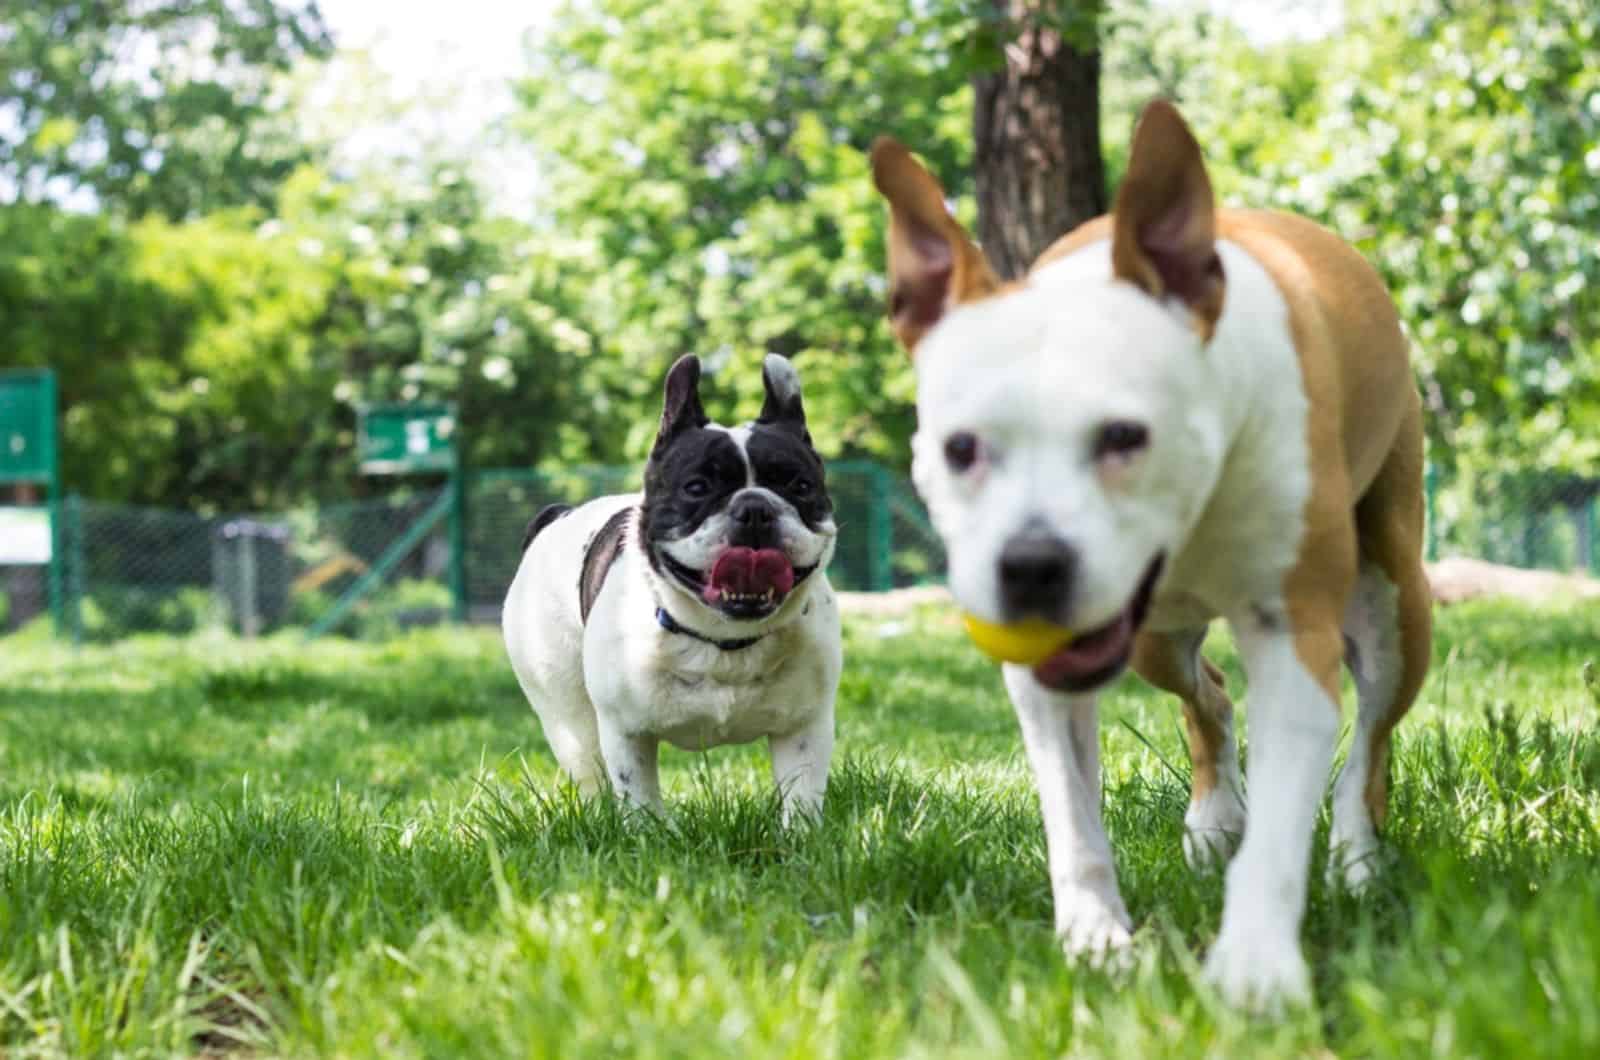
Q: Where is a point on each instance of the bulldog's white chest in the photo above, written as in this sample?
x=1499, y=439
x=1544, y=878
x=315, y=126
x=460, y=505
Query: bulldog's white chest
x=696, y=695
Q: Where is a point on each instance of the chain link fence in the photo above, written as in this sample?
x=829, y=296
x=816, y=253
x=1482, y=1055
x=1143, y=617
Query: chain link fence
x=130, y=570
x=1518, y=519
x=373, y=567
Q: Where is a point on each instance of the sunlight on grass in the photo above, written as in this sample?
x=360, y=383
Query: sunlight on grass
x=211, y=846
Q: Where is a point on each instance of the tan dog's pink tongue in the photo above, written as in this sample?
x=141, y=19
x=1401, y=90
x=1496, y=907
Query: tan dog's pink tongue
x=744, y=571
x=1088, y=653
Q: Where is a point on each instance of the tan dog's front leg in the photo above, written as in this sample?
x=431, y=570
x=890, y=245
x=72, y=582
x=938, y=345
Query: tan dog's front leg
x=1061, y=736
x=1215, y=820
x=1294, y=728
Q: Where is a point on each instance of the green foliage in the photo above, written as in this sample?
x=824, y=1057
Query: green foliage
x=407, y=603
x=706, y=191
x=151, y=106
x=1459, y=146
x=115, y=612
x=360, y=849
x=71, y=298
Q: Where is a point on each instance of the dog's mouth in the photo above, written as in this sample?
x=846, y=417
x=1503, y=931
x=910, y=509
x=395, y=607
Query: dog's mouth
x=744, y=583
x=1095, y=657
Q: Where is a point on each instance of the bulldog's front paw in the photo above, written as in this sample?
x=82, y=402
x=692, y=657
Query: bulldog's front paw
x=1259, y=970
x=1212, y=828
x=1091, y=930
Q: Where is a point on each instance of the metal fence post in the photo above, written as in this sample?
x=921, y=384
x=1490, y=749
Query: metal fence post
x=249, y=610
x=1591, y=534
x=52, y=462
x=1430, y=492
x=458, y=539
x=76, y=576
x=58, y=562
x=881, y=523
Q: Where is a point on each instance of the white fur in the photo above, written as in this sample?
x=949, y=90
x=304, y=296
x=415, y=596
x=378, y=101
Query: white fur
x=1034, y=374
x=1060, y=735
x=608, y=692
x=1220, y=489
x=781, y=377
x=1294, y=726
x=1214, y=822
x=1372, y=626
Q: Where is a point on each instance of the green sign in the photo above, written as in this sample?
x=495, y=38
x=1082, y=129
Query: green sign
x=28, y=427
x=405, y=439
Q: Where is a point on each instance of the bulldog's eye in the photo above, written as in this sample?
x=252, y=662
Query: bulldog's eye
x=961, y=450
x=696, y=488
x=801, y=486
x=1120, y=438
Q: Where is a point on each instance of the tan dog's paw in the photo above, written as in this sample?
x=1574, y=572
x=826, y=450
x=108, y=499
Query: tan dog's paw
x=1260, y=970
x=1092, y=931
x=1212, y=828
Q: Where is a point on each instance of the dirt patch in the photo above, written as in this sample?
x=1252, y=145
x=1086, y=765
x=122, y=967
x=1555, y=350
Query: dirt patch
x=1457, y=578
x=894, y=602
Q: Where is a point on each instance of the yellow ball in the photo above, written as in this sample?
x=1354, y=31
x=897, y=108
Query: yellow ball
x=1029, y=642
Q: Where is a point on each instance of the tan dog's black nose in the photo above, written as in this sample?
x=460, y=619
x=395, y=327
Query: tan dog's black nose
x=1036, y=572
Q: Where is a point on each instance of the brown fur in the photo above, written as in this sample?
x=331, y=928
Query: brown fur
x=1364, y=426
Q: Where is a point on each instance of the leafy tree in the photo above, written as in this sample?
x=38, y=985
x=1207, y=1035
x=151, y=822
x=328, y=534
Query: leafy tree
x=1458, y=145
x=706, y=190
x=1035, y=121
x=72, y=298
x=157, y=106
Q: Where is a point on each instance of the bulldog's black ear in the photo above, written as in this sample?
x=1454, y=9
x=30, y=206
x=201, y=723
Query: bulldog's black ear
x=782, y=407
x=682, y=409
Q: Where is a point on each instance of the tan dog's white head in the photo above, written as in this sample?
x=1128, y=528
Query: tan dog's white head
x=1064, y=443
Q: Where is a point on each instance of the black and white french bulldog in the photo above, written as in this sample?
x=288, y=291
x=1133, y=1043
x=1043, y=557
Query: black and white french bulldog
x=697, y=612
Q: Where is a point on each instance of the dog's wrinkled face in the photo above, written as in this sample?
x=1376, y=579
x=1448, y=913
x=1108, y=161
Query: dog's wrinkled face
x=1063, y=456
x=736, y=518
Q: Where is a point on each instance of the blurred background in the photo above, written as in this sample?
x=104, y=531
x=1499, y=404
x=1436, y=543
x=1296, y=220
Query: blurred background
x=227, y=227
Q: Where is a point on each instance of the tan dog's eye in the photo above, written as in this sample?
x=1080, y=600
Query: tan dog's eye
x=961, y=450
x=1120, y=438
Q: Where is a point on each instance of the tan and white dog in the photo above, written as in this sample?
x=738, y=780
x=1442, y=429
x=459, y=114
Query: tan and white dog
x=1181, y=413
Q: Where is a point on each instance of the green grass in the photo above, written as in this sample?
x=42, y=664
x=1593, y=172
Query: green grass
x=358, y=850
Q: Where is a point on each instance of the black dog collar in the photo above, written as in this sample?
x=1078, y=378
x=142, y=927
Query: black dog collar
x=671, y=625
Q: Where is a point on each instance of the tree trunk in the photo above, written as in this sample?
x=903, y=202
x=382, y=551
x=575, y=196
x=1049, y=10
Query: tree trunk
x=1036, y=128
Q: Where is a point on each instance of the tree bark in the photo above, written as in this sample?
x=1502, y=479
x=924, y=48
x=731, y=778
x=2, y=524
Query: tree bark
x=1036, y=128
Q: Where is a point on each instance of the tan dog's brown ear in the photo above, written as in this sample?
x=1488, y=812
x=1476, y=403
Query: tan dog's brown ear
x=933, y=265
x=1164, y=234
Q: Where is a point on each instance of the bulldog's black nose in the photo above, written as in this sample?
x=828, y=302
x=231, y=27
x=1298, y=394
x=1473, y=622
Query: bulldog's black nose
x=1037, y=569
x=752, y=510
x=755, y=520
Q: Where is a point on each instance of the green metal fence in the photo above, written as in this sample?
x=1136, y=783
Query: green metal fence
x=1517, y=518
x=428, y=554
x=369, y=568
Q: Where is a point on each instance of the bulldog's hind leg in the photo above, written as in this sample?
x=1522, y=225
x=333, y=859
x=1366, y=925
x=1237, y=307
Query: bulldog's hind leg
x=575, y=741
x=1388, y=638
x=1216, y=815
x=566, y=716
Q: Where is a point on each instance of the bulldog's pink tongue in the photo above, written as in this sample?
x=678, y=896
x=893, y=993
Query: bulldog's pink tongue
x=750, y=572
